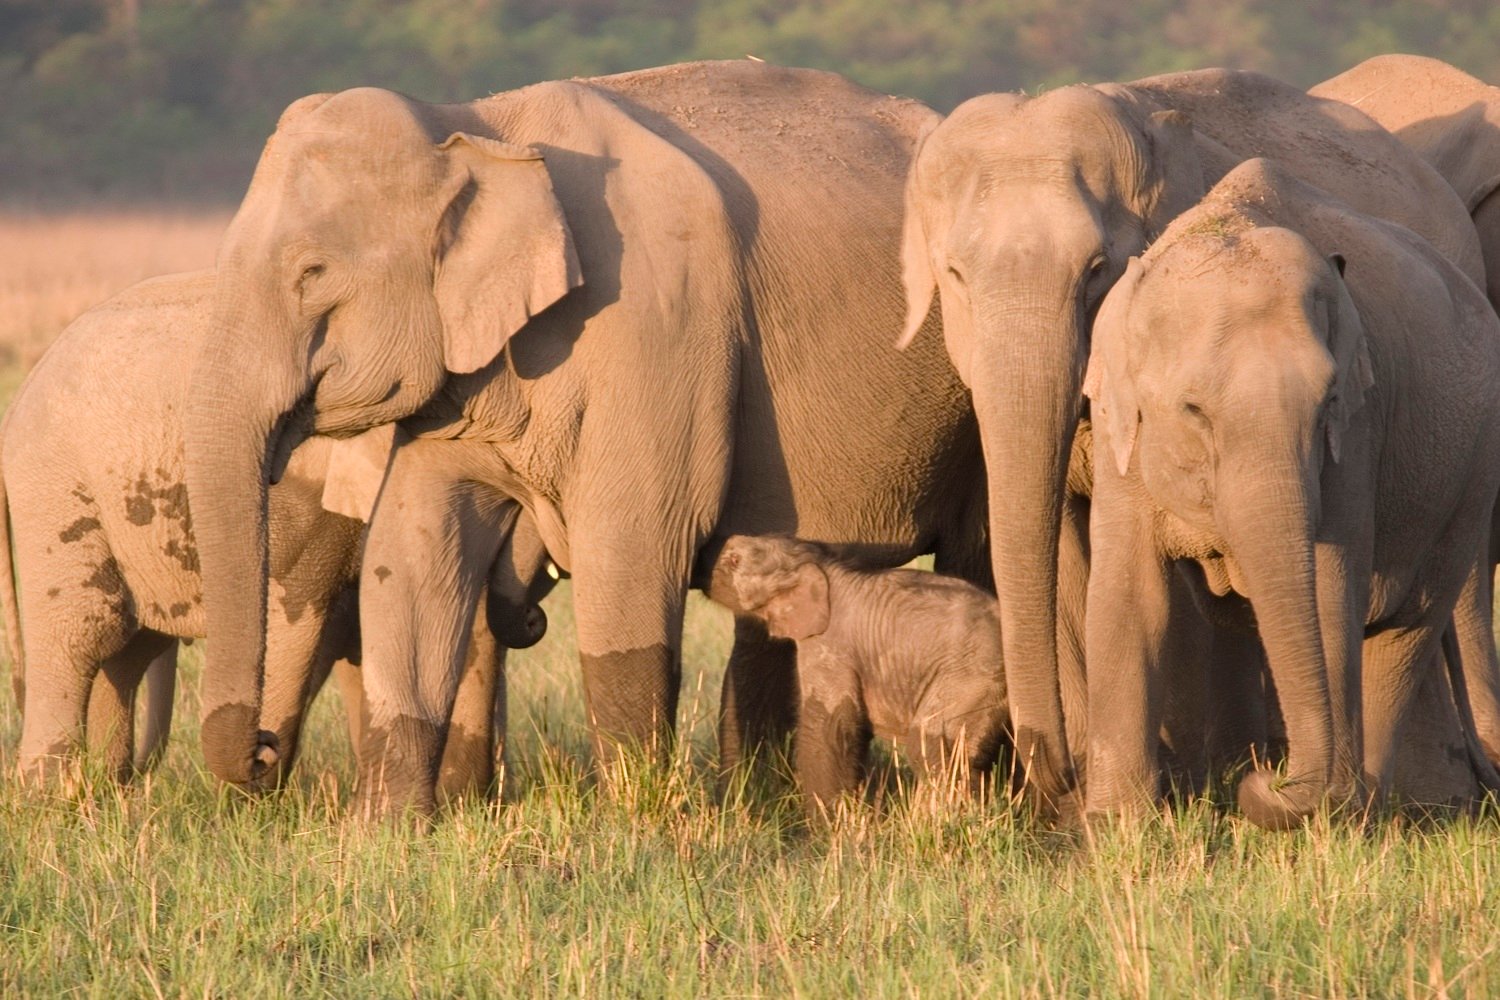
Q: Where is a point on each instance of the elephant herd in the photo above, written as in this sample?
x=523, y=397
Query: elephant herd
x=1198, y=376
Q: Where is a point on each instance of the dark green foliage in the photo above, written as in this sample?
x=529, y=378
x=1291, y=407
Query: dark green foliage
x=171, y=98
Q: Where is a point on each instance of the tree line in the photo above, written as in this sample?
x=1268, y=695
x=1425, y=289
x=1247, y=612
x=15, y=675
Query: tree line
x=171, y=99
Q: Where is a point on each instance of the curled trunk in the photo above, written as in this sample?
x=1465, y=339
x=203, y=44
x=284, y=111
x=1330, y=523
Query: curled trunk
x=1270, y=531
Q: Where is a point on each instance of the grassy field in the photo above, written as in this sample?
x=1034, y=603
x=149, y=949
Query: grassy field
x=174, y=888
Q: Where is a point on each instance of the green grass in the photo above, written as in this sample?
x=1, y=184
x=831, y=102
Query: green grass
x=173, y=887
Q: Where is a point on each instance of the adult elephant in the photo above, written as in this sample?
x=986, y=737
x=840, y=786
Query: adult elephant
x=1021, y=214
x=1451, y=120
x=662, y=299
x=1297, y=399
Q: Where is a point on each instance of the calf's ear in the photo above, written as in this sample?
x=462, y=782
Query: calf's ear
x=801, y=610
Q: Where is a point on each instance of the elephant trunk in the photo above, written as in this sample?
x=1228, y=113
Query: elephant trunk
x=1270, y=531
x=235, y=407
x=1026, y=381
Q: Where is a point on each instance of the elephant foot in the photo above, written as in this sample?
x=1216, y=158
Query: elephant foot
x=398, y=769
x=1274, y=803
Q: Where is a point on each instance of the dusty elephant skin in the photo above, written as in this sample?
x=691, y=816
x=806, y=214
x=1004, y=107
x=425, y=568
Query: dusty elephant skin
x=1021, y=214
x=107, y=565
x=668, y=321
x=1298, y=398
x=906, y=655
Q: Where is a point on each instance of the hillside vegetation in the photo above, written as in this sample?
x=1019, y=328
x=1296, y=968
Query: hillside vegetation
x=172, y=98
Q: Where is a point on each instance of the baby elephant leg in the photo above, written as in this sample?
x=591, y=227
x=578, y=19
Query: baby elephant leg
x=833, y=730
x=954, y=749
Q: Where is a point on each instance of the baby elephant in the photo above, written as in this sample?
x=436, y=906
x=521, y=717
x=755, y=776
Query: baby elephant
x=907, y=655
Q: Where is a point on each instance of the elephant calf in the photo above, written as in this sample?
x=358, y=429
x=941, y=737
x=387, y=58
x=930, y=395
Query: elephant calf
x=910, y=656
x=95, y=517
x=1299, y=400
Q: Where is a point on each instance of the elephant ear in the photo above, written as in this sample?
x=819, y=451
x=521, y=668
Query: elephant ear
x=916, y=260
x=1178, y=174
x=1353, y=372
x=505, y=249
x=1107, y=382
x=800, y=611
x=356, y=471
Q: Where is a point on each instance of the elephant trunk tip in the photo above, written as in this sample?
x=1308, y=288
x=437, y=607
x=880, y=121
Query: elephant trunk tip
x=1273, y=803
x=228, y=729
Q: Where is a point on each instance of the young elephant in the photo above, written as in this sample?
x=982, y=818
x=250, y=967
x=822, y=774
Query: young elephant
x=94, y=515
x=910, y=656
x=1300, y=400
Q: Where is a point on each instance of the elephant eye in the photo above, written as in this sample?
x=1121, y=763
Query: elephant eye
x=309, y=274
x=1098, y=264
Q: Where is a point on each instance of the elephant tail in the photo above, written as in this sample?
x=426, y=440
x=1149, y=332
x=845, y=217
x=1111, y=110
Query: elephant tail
x=1484, y=771
x=9, y=606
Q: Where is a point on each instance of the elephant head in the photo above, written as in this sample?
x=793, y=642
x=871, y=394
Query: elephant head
x=1227, y=370
x=1020, y=215
x=780, y=580
x=377, y=251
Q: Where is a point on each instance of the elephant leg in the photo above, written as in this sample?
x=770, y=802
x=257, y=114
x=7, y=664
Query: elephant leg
x=1129, y=616
x=66, y=636
x=468, y=765
x=111, y=710
x=1237, y=699
x=758, y=708
x=1397, y=663
x=1185, y=696
x=161, y=691
x=302, y=642
x=1072, y=635
x=629, y=593
x=433, y=537
x=1432, y=767
x=351, y=684
x=833, y=731
x=1473, y=622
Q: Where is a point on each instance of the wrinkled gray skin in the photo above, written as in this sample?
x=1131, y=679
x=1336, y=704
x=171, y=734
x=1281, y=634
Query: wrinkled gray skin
x=107, y=568
x=1021, y=214
x=1299, y=399
x=643, y=294
x=1451, y=120
x=909, y=656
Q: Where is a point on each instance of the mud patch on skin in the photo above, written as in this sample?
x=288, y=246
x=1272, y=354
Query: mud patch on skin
x=106, y=578
x=145, y=501
x=186, y=555
x=468, y=767
x=381, y=572
x=180, y=609
x=630, y=698
x=78, y=529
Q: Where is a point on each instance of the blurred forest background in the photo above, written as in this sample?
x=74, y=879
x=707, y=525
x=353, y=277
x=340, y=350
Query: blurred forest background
x=170, y=100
